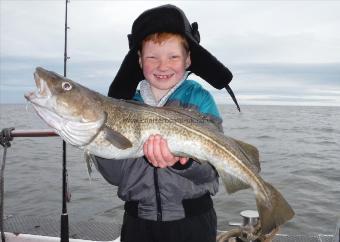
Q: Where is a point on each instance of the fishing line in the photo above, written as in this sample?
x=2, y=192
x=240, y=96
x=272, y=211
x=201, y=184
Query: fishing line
x=26, y=106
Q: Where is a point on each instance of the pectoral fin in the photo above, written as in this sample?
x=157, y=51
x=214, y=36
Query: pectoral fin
x=232, y=183
x=89, y=162
x=117, y=139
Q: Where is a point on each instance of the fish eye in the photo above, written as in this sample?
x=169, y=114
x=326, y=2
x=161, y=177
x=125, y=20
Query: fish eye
x=66, y=86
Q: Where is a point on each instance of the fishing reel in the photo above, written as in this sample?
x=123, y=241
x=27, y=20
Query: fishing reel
x=247, y=231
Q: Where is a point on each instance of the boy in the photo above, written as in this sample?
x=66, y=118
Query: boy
x=167, y=198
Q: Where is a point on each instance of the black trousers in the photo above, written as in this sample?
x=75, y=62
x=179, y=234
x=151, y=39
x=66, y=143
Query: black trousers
x=199, y=228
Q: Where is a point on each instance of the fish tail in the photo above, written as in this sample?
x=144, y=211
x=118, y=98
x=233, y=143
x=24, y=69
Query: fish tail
x=274, y=211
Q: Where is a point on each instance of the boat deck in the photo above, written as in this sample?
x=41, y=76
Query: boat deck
x=98, y=231
x=51, y=227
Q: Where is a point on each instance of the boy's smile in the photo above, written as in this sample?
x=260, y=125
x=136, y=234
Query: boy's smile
x=163, y=64
x=163, y=76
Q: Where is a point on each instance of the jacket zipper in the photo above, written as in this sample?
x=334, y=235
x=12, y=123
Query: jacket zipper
x=158, y=195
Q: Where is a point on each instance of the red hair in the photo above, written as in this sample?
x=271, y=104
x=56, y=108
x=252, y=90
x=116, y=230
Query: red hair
x=158, y=38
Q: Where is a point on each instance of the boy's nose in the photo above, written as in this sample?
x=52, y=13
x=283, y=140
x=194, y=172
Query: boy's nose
x=163, y=65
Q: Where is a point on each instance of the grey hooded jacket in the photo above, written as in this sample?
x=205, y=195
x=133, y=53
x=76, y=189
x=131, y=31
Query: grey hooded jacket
x=138, y=180
x=160, y=191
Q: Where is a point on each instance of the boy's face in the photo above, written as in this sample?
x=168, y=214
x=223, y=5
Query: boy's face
x=164, y=64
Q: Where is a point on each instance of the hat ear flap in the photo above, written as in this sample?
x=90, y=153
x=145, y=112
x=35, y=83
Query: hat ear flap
x=206, y=66
x=129, y=75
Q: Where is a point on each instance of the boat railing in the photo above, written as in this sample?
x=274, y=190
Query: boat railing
x=6, y=136
x=33, y=133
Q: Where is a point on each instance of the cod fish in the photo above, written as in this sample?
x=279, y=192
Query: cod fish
x=117, y=129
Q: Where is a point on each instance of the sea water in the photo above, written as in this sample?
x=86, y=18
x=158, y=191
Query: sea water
x=299, y=153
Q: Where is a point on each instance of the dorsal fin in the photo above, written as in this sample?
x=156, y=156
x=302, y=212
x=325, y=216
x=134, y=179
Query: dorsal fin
x=131, y=101
x=251, y=152
x=193, y=115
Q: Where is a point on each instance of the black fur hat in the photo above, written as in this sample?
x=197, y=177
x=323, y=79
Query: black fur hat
x=171, y=19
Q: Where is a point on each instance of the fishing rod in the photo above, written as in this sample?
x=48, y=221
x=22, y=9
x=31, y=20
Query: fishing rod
x=8, y=134
x=64, y=224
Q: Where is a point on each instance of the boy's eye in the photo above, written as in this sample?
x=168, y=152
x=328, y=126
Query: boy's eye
x=174, y=57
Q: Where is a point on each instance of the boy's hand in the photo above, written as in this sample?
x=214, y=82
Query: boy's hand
x=157, y=152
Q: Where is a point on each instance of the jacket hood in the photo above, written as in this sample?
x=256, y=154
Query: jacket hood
x=171, y=19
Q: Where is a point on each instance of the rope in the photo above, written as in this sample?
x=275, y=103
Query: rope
x=5, y=138
x=225, y=236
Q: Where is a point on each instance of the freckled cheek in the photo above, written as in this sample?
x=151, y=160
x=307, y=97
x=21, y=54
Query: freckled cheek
x=179, y=68
x=148, y=69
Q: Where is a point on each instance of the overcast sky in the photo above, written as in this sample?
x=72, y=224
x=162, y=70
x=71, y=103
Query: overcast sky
x=280, y=52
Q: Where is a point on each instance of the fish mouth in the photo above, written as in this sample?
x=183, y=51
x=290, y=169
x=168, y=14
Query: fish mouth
x=42, y=91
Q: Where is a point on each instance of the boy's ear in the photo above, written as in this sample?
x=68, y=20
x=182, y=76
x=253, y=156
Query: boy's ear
x=188, y=61
x=140, y=60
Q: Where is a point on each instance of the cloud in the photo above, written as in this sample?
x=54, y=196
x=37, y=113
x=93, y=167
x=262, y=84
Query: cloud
x=277, y=50
x=309, y=74
x=284, y=84
x=32, y=28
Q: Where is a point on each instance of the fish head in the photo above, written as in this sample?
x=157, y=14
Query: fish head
x=73, y=110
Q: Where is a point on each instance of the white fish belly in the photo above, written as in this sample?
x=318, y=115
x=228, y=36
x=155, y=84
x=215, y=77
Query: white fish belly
x=103, y=148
